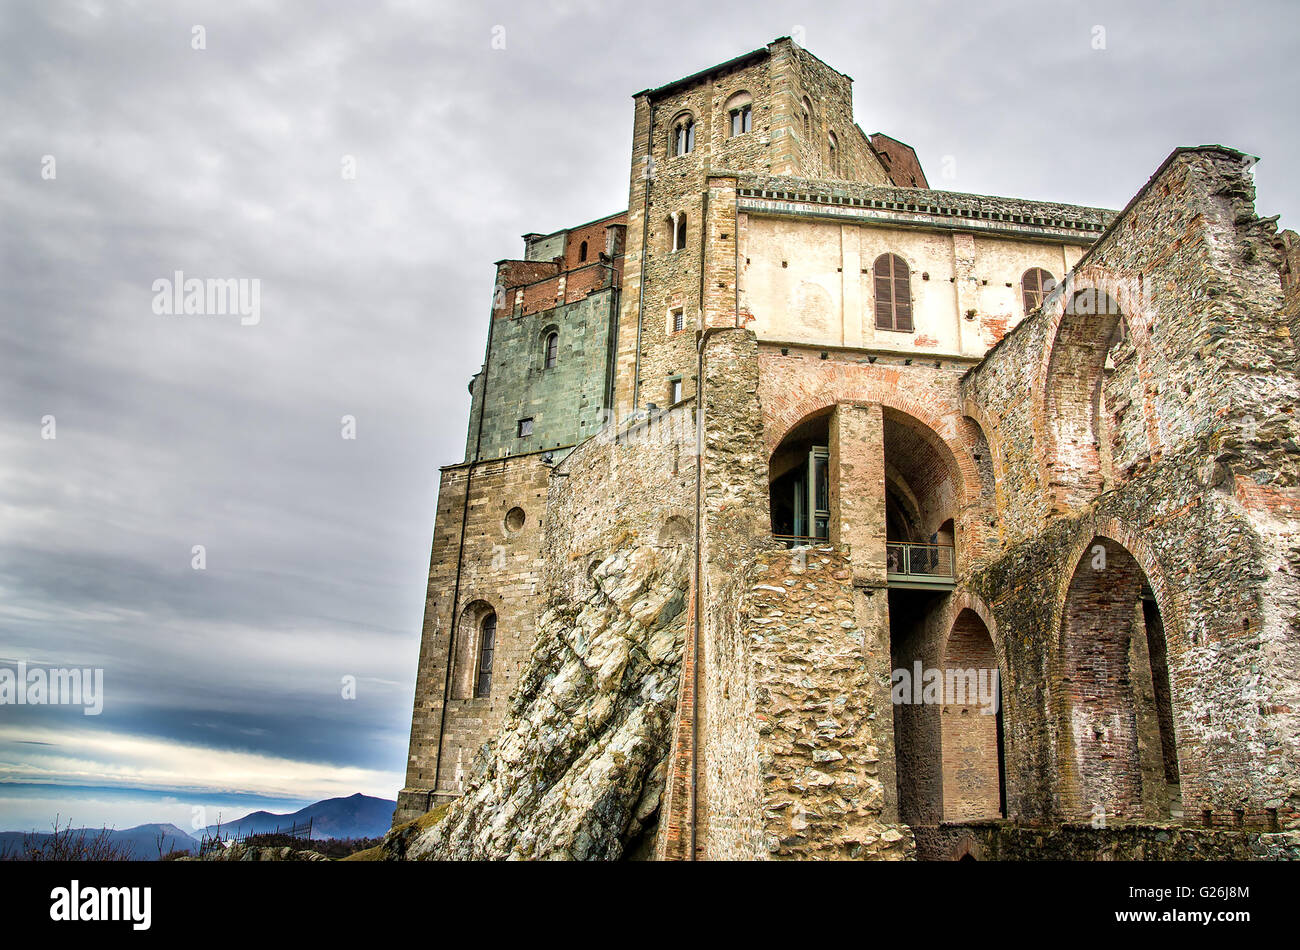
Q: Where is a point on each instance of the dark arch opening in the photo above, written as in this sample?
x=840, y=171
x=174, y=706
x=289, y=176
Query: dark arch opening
x=1115, y=707
x=1085, y=403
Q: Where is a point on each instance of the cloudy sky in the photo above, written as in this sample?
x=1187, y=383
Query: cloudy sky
x=127, y=154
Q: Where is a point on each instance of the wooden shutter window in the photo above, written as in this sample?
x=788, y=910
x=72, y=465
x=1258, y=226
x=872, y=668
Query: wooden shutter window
x=893, y=285
x=1035, y=286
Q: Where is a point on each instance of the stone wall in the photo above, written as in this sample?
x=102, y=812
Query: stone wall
x=1204, y=513
x=576, y=763
x=1003, y=841
x=566, y=402
x=499, y=567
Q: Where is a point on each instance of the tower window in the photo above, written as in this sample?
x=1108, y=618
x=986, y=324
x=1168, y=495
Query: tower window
x=582, y=252
x=674, y=390
x=684, y=135
x=525, y=427
x=740, y=110
x=893, y=287
x=1035, y=285
x=742, y=120
x=676, y=320
x=486, y=647
x=678, y=223
x=552, y=350
x=833, y=149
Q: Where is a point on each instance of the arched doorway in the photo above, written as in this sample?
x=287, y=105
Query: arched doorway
x=973, y=759
x=1114, y=708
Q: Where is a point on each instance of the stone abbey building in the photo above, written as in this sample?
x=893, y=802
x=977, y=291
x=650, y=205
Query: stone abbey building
x=807, y=511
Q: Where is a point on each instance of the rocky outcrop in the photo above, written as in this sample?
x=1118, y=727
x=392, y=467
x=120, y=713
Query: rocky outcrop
x=577, y=770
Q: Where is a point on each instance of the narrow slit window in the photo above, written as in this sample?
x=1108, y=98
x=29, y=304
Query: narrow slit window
x=487, y=647
x=552, y=350
x=674, y=391
x=678, y=223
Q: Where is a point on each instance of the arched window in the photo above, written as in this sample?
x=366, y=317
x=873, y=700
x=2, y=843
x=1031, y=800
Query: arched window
x=740, y=114
x=683, y=135
x=833, y=155
x=582, y=252
x=807, y=117
x=477, y=620
x=552, y=351
x=677, y=222
x=1035, y=285
x=487, y=642
x=893, y=294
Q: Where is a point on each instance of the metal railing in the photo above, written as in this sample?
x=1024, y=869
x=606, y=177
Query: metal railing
x=909, y=559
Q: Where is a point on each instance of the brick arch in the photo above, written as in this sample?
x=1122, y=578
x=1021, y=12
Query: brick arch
x=778, y=425
x=1078, y=480
x=1090, y=682
x=970, y=752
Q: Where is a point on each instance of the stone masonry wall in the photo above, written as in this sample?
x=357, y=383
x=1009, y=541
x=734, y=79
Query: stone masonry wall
x=498, y=565
x=576, y=765
x=566, y=401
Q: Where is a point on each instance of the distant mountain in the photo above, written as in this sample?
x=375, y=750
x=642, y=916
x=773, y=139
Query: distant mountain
x=357, y=816
x=141, y=842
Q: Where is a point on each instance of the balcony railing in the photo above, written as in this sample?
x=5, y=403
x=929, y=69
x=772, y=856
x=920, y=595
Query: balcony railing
x=925, y=566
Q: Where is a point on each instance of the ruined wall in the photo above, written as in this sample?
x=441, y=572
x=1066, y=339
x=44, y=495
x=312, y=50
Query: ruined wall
x=1208, y=512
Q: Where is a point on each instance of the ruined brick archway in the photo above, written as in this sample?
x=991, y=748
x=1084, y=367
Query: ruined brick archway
x=972, y=745
x=1073, y=426
x=1111, y=699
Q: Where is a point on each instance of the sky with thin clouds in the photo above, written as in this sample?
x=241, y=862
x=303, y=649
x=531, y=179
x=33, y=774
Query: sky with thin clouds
x=127, y=155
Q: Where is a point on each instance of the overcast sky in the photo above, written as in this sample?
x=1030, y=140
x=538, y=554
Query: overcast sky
x=223, y=685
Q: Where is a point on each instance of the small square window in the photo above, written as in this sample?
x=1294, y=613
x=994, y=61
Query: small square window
x=525, y=427
x=674, y=391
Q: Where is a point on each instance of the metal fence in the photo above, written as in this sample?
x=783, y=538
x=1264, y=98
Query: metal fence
x=920, y=560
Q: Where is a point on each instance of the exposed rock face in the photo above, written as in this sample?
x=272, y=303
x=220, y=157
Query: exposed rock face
x=578, y=770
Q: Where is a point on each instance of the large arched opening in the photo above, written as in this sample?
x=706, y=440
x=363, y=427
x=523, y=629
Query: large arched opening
x=799, y=481
x=923, y=497
x=1093, y=409
x=1114, y=706
x=974, y=766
